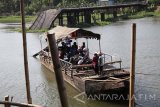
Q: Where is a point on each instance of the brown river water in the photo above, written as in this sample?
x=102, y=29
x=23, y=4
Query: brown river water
x=115, y=41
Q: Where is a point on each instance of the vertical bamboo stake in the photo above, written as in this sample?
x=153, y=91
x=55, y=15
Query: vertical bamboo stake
x=57, y=69
x=25, y=53
x=6, y=98
x=132, y=70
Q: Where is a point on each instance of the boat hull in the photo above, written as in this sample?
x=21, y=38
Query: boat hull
x=107, y=90
x=99, y=87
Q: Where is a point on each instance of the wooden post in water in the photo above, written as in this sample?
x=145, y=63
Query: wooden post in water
x=29, y=99
x=6, y=98
x=57, y=70
x=11, y=104
x=132, y=70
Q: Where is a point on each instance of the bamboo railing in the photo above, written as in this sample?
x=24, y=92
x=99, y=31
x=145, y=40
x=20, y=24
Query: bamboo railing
x=8, y=103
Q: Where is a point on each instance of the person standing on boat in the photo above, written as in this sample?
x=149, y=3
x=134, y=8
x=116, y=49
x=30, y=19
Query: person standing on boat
x=74, y=48
x=100, y=63
x=68, y=52
x=63, y=50
x=95, y=63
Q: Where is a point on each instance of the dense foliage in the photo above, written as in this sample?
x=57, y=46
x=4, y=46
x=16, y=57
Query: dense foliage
x=13, y=6
x=8, y=7
x=154, y=1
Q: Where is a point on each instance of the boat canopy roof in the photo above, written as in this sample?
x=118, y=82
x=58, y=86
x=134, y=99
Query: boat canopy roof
x=72, y=33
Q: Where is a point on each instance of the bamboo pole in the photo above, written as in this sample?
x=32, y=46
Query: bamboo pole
x=57, y=69
x=25, y=53
x=132, y=70
x=6, y=98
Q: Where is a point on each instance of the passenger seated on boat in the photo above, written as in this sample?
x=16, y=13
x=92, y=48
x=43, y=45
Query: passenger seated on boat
x=87, y=60
x=80, y=61
x=85, y=52
x=95, y=63
x=80, y=50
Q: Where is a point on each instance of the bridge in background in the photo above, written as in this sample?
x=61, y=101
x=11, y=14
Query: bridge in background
x=73, y=16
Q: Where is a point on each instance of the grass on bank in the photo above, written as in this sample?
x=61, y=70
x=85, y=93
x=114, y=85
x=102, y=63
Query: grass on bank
x=30, y=31
x=15, y=19
x=98, y=22
x=143, y=14
x=110, y=19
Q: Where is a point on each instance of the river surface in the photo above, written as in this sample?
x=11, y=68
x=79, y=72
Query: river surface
x=115, y=41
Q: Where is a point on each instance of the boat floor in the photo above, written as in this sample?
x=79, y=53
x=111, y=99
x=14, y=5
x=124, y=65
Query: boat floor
x=89, y=74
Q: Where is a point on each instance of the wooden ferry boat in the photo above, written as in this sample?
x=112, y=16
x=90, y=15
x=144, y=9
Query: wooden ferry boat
x=113, y=80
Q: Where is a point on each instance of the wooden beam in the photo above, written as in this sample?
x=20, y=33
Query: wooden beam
x=132, y=65
x=57, y=69
x=6, y=98
x=29, y=99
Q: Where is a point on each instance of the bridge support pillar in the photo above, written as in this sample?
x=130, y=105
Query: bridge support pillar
x=61, y=19
x=115, y=14
x=87, y=17
x=82, y=17
x=68, y=14
x=77, y=17
x=102, y=16
x=71, y=20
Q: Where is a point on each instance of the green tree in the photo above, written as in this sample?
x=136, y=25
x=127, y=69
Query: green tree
x=154, y=1
x=36, y=5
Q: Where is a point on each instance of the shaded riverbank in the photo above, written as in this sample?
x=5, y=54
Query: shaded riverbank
x=15, y=19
